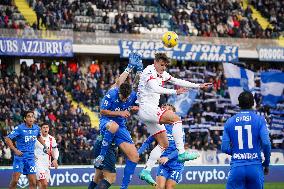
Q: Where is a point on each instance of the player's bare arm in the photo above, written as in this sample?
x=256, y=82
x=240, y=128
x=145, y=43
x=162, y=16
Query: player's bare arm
x=10, y=144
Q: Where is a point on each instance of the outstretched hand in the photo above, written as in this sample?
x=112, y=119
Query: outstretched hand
x=205, y=85
x=135, y=61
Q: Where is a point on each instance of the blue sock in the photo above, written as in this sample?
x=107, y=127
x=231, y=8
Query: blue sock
x=128, y=172
x=92, y=185
x=146, y=145
x=108, y=137
x=104, y=184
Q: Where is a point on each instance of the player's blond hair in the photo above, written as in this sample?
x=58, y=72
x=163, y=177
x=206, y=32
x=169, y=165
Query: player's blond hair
x=162, y=57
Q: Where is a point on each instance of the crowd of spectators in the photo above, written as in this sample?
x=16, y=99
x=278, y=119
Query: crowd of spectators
x=272, y=10
x=206, y=18
x=227, y=19
x=43, y=87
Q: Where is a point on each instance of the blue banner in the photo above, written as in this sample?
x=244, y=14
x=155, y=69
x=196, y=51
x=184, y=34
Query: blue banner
x=182, y=51
x=183, y=102
x=35, y=47
x=191, y=175
x=271, y=54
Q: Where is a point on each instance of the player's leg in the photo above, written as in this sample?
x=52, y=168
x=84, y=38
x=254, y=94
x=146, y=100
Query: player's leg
x=236, y=179
x=30, y=170
x=170, y=117
x=170, y=184
x=41, y=177
x=18, y=167
x=107, y=181
x=108, y=169
x=32, y=181
x=14, y=180
x=96, y=179
x=109, y=132
x=255, y=176
x=159, y=133
x=161, y=178
x=124, y=141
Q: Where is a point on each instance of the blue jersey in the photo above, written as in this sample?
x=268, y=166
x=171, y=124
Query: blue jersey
x=111, y=101
x=243, y=136
x=172, y=163
x=25, y=138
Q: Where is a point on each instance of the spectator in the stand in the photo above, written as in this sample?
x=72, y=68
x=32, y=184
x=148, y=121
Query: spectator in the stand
x=39, y=9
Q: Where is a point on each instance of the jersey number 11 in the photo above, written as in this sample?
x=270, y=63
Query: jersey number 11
x=240, y=136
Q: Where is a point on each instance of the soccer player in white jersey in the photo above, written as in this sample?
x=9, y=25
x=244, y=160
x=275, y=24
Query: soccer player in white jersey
x=44, y=161
x=149, y=90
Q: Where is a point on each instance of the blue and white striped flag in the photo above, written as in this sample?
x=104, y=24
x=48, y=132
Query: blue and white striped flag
x=238, y=80
x=272, y=86
x=183, y=102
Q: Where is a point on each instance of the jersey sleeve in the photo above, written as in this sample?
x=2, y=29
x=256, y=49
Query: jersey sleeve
x=107, y=100
x=39, y=133
x=14, y=133
x=166, y=77
x=154, y=85
x=266, y=145
x=225, y=147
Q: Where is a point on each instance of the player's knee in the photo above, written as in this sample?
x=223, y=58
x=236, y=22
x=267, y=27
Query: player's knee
x=170, y=185
x=44, y=185
x=13, y=183
x=134, y=157
x=110, y=178
x=32, y=184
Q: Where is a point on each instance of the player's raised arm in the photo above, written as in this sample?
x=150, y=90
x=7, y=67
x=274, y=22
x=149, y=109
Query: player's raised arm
x=184, y=83
x=226, y=143
x=266, y=145
x=134, y=60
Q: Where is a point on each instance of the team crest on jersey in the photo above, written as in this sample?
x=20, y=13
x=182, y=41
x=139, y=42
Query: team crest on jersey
x=23, y=181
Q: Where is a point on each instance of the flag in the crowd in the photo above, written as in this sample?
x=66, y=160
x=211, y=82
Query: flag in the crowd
x=272, y=86
x=238, y=80
x=183, y=102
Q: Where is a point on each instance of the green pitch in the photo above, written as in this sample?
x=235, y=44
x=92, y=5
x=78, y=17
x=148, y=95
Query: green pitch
x=189, y=186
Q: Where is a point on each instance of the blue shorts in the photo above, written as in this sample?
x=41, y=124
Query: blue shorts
x=170, y=173
x=110, y=159
x=24, y=165
x=248, y=176
x=122, y=134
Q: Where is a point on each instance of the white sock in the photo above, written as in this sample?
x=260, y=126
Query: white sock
x=154, y=156
x=178, y=136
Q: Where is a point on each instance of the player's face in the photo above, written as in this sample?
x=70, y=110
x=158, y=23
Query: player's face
x=30, y=119
x=44, y=130
x=122, y=98
x=160, y=66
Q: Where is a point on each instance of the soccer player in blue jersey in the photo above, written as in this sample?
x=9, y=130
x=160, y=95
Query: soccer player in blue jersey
x=25, y=136
x=245, y=134
x=169, y=172
x=115, y=109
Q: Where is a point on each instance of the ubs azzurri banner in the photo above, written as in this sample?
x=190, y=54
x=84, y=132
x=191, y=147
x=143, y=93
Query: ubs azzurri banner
x=35, y=47
x=271, y=54
x=182, y=51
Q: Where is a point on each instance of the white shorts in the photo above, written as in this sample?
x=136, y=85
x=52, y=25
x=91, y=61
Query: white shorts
x=42, y=172
x=150, y=116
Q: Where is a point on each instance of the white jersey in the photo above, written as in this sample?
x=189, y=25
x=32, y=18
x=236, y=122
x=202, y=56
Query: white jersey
x=42, y=158
x=146, y=94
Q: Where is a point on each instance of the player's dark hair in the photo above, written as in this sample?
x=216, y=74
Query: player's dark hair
x=44, y=123
x=162, y=57
x=27, y=112
x=125, y=90
x=246, y=100
x=172, y=106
